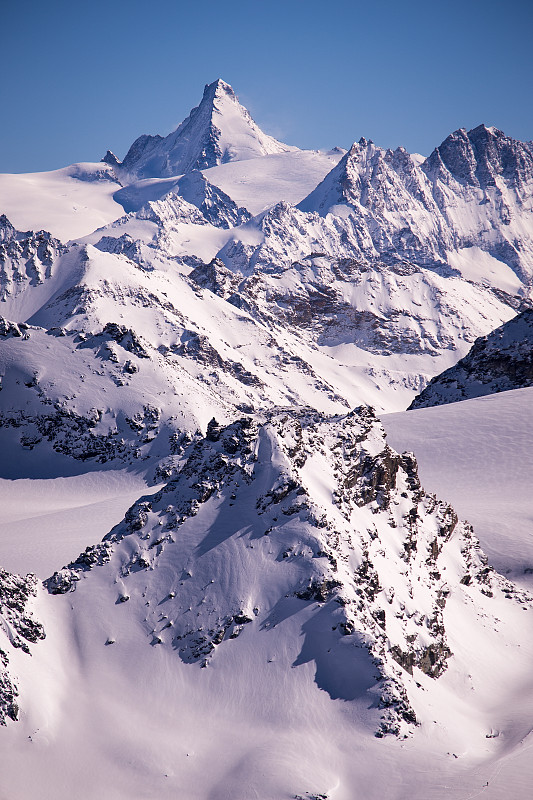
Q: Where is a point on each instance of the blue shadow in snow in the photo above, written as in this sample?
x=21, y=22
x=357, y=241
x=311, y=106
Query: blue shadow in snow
x=344, y=666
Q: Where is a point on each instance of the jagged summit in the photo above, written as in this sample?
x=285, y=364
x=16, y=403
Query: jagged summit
x=406, y=208
x=110, y=158
x=476, y=158
x=219, y=130
x=479, y=156
x=343, y=184
x=219, y=88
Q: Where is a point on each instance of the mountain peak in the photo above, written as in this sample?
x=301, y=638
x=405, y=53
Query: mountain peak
x=218, y=88
x=218, y=130
x=480, y=156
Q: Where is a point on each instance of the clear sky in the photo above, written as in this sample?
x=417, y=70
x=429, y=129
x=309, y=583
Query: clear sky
x=82, y=76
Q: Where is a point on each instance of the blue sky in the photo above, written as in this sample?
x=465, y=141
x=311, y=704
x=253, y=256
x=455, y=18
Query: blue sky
x=79, y=77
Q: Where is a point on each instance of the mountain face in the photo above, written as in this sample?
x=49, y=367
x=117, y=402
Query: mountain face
x=216, y=206
x=474, y=191
x=501, y=361
x=25, y=258
x=284, y=565
x=217, y=131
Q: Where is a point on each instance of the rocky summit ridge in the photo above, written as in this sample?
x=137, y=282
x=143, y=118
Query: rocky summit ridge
x=474, y=190
x=241, y=534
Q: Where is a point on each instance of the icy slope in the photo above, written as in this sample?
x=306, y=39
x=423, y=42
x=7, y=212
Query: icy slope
x=500, y=361
x=146, y=355
x=217, y=131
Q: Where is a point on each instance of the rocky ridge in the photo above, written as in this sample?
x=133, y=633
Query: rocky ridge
x=375, y=564
x=474, y=190
x=498, y=362
x=20, y=629
x=26, y=258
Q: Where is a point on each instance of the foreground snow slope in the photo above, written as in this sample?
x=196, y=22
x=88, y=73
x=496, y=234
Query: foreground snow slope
x=478, y=454
x=281, y=558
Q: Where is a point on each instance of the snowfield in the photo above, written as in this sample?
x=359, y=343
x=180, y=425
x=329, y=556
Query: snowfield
x=68, y=202
x=478, y=454
x=232, y=565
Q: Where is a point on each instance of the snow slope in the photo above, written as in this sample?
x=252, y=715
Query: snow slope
x=68, y=202
x=235, y=565
x=478, y=454
x=260, y=183
x=47, y=521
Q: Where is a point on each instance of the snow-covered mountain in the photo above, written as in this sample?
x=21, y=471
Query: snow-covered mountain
x=219, y=130
x=188, y=368
x=473, y=193
x=501, y=361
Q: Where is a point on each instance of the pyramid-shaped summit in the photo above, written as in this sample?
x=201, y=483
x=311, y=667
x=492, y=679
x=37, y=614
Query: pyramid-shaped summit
x=219, y=130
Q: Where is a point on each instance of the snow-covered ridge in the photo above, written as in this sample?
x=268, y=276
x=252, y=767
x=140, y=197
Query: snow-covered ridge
x=251, y=530
x=475, y=190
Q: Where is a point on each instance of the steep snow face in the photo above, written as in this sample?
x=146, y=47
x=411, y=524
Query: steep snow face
x=217, y=131
x=501, y=361
x=146, y=355
x=475, y=190
x=343, y=303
